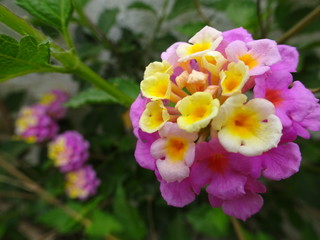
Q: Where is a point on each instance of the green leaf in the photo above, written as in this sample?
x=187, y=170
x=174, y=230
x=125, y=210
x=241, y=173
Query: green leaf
x=129, y=217
x=19, y=58
x=141, y=6
x=55, y=13
x=128, y=86
x=90, y=96
x=57, y=219
x=107, y=19
x=210, y=221
x=102, y=224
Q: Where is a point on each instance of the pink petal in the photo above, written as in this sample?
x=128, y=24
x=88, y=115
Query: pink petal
x=254, y=185
x=258, y=70
x=233, y=35
x=177, y=194
x=249, y=166
x=142, y=152
x=281, y=162
x=236, y=49
x=171, y=172
x=214, y=201
x=304, y=101
x=243, y=207
x=237, y=34
x=227, y=186
x=289, y=59
x=312, y=121
x=289, y=134
x=200, y=175
x=136, y=111
x=170, y=54
x=300, y=130
x=265, y=51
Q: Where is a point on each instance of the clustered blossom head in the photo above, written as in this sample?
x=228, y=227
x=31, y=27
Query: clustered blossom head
x=53, y=101
x=69, y=151
x=198, y=128
x=37, y=123
x=34, y=125
x=82, y=183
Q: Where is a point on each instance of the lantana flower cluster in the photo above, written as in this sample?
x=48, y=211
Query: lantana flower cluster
x=69, y=152
x=219, y=112
x=38, y=122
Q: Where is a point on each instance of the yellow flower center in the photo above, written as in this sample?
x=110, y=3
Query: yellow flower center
x=244, y=122
x=197, y=110
x=176, y=148
x=47, y=99
x=249, y=60
x=154, y=117
x=157, y=86
x=199, y=47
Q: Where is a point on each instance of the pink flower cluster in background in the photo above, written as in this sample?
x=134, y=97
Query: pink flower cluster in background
x=69, y=150
x=34, y=125
x=199, y=126
x=37, y=123
x=82, y=183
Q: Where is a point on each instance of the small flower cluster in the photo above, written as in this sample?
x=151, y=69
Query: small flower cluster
x=69, y=152
x=37, y=123
x=82, y=183
x=199, y=126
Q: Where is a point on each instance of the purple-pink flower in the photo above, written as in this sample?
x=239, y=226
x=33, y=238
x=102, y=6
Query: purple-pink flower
x=69, y=151
x=53, y=102
x=81, y=183
x=198, y=128
x=34, y=125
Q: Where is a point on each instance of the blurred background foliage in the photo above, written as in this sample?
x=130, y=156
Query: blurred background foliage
x=128, y=204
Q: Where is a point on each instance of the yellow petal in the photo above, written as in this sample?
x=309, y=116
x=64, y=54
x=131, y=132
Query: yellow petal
x=248, y=60
x=158, y=67
x=233, y=80
x=197, y=111
x=154, y=117
x=157, y=86
x=249, y=129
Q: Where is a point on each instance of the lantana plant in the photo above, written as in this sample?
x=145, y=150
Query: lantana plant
x=219, y=113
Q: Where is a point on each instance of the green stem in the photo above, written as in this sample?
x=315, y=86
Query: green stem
x=34, y=187
x=237, y=228
x=68, y=39
x=300, y=25
x=201, y=14
x=260, y=21
x=95, y=31
x=70, y=61
x=19, y=24
x=315, y=90
x=86, y=73
x=161, y=18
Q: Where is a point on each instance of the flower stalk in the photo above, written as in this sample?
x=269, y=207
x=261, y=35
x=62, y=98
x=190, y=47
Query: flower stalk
x=70, y=61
